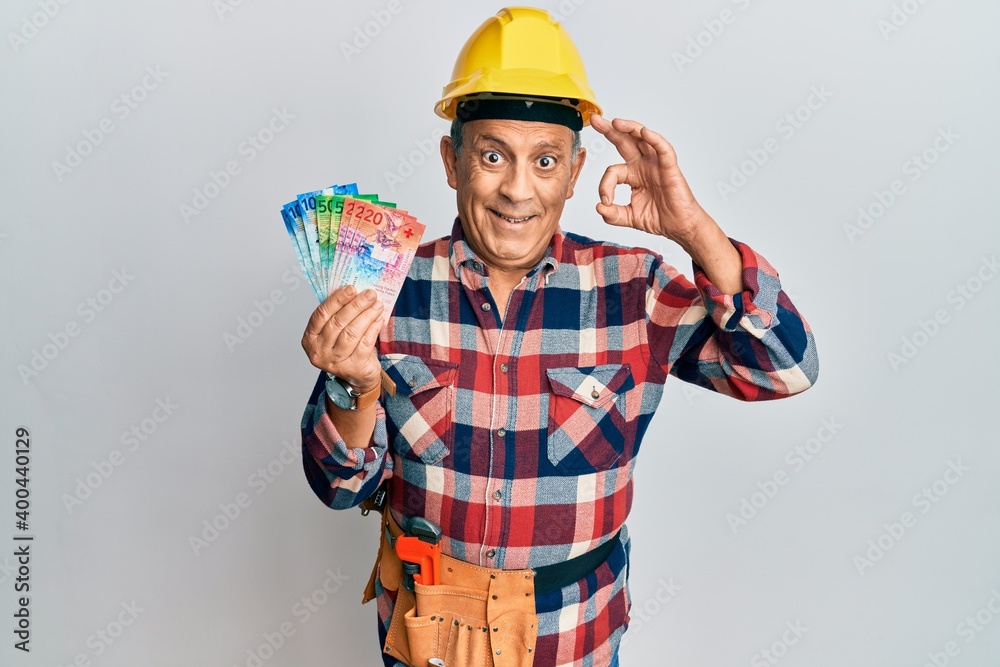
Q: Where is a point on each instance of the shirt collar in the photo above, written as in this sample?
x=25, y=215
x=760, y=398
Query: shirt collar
x=461, y=253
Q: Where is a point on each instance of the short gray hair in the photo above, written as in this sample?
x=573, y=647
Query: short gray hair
x=458, y=124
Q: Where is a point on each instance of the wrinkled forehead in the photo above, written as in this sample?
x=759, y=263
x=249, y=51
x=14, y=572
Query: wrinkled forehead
x=519, y=135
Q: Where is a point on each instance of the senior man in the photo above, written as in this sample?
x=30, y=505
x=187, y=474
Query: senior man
x=498, y=410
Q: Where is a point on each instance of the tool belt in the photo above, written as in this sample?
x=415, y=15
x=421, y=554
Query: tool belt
x=476, y=616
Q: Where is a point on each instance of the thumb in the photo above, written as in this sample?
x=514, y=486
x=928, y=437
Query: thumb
x=614, y=214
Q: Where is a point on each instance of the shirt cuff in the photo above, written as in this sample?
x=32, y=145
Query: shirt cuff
x=328, y=447
x=756, y=307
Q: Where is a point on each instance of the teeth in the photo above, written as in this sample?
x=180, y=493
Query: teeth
x=512, y=219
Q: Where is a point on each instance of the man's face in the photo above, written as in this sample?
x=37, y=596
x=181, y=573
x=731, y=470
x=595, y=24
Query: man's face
x=512, y=180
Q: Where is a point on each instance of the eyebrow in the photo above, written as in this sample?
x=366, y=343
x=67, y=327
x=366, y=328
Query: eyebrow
x=541, y=144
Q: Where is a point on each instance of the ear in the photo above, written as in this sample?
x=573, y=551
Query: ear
x=450, y=161
x=576, y=168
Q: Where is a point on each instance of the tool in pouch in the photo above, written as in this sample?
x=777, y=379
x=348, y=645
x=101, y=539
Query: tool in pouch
x=419, y=549
x=448, y=611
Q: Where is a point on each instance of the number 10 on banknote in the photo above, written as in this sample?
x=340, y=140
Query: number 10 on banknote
x=343, y=237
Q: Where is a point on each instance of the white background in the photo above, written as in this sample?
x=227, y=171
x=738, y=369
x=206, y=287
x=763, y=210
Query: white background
x=359, y=116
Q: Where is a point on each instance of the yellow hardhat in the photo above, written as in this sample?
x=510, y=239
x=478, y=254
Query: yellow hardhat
x=521, y=52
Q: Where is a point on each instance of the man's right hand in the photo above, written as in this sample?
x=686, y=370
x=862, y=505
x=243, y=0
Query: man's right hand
x=341, y=334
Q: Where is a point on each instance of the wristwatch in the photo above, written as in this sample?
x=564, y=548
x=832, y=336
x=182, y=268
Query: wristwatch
x=346, y=397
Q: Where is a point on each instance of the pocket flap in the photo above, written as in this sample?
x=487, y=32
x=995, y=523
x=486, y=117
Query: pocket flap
x=591, y=385
x=413, y=375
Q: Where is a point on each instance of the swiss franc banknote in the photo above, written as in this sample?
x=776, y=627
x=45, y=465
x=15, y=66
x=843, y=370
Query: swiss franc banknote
x=341, y=236
x=382, y=250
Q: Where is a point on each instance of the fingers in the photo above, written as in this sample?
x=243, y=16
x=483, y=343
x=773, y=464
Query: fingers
x=370, y=335
x=615, y=214
x=614, y=176
x=650, y=143
x=327, y=309
x=622, y=140
x=342, y=334
x=348, y=325
x=633, y=139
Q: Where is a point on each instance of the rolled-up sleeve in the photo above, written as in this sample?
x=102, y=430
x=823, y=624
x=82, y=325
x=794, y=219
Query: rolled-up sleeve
x=340, y=476
x=753, y=345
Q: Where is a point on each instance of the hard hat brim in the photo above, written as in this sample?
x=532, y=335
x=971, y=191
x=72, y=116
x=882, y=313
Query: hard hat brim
x=518, y=82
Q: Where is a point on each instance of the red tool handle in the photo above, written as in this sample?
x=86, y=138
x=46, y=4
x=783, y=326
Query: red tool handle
x=427, y=556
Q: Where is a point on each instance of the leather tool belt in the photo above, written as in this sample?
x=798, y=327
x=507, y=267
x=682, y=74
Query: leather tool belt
x=477, y=616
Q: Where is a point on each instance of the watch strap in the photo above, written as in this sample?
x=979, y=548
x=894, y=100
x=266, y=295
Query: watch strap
x=385, y=382
x=362, y=401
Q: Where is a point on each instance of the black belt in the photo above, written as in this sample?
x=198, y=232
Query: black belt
x=548, y=577
x=553, y=577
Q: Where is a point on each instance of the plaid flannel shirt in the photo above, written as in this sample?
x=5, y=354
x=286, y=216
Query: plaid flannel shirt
x=518, y=434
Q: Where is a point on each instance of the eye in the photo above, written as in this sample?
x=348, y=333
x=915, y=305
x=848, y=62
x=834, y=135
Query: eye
x=492, y=157
x=546, y=161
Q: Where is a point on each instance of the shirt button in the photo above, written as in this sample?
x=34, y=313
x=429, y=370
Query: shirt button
x=486, y=306
x=477, y=266
x=501, y=432
x=503, y=368
x=498, y=494
x=491, y=553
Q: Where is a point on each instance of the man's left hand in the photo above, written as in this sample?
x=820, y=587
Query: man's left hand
x=661, y=201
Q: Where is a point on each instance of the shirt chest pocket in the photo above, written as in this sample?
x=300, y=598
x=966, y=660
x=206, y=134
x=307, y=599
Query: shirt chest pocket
x=586, y=431
x=421, y=412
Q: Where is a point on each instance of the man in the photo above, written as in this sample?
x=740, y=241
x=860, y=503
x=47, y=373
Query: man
x=528, y=361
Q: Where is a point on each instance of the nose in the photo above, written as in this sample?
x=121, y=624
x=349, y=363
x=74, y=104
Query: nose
x=516, y=186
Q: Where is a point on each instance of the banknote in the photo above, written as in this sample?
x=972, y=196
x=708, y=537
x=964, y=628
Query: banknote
x=343, y=237
x=302, y=241
x=347, y=237
x=300, y=255
x=381, y=251
x=324, y=214
x=328, y=245
x=307, y=203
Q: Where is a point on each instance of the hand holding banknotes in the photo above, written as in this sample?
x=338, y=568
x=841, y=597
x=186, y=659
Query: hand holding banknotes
x=355, y=250
x=341, y=333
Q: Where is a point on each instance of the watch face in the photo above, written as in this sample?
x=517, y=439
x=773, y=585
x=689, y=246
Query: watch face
x=338, y=394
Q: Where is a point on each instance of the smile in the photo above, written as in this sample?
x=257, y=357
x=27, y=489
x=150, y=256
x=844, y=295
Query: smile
x=511, y=220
